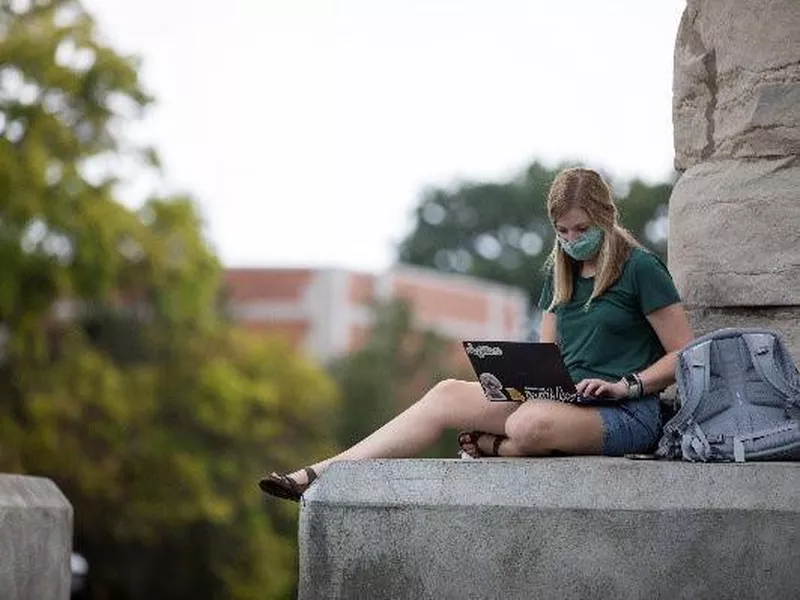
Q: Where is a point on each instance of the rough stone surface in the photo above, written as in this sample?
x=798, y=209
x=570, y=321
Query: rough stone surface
x=734, y=215
x=734, y=236
x=561, y=528
x=35, y=539
x=736, y=88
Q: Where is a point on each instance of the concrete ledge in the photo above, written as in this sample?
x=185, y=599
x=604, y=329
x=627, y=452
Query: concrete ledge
x=551, y=528
x=35, y=539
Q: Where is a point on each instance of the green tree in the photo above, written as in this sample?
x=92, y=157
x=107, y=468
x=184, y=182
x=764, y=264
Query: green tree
x=501, y=231
x=119, y=378
x=62, y=94
x=160, y=461
x=643, y=209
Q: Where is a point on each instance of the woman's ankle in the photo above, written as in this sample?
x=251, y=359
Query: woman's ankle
x=302, y=475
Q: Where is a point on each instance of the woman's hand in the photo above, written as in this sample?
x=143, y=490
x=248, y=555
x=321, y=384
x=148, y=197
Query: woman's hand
x=602, y=389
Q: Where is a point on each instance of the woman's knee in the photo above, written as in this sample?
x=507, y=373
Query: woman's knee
x=447, y=398
x=446, y=391
x=530, y=429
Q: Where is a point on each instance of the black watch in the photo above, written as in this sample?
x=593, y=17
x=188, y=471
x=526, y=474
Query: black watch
x=634, y=386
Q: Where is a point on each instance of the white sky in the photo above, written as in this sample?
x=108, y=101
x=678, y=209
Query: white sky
x=306, y=129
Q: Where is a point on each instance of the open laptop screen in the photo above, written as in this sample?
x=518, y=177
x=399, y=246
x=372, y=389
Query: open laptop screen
x=518, y=371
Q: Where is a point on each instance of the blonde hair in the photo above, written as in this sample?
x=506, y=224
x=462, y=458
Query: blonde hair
x=586, y=189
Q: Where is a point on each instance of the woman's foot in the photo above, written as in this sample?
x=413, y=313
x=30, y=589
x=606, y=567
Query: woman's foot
x=288, y=486
x=478, y=443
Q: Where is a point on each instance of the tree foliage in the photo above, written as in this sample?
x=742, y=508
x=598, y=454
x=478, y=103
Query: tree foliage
x=399, y=362
x=120, y=380
x=501, y=231
x=61, y=96
x=160, y=460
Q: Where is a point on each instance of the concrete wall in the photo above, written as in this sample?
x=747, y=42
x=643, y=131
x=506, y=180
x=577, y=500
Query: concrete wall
x=734, y=231
x=35, y=539
x=559, y=528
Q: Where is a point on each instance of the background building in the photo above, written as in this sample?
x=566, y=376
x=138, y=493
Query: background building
x=327, y=312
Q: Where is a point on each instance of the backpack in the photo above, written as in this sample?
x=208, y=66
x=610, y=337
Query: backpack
x=740, y=400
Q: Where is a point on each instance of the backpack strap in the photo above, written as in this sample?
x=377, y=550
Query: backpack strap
x=698, y=361
x=682, y=437
x=762, y=353
x=695, y=446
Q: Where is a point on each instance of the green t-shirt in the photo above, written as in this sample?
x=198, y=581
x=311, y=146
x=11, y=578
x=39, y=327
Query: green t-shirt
x=613, y=338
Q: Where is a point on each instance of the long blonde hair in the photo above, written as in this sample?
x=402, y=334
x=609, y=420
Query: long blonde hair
x=586, y=189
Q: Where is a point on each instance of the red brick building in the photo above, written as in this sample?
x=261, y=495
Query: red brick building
x=326, y=312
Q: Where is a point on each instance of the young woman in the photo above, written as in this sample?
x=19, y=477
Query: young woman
x=612, y=308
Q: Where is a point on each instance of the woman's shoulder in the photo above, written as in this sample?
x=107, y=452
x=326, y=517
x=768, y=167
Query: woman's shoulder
x=643, y=265
x=641, y=257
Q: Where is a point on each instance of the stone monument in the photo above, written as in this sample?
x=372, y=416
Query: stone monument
x=734, y=215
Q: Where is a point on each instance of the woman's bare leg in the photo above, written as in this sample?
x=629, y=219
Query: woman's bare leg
x=449, y=404
x=541, y=427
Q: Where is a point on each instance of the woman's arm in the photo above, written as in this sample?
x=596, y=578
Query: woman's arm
x=547, y=331
x=671, y=325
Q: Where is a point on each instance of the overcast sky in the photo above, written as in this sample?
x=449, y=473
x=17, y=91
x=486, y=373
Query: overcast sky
x=306, y=129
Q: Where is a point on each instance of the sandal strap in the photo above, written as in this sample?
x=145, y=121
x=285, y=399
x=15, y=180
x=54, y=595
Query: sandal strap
x=471, y=438
x=311, y=475
x=467, y=437
x=474, y=437
x=496, y=445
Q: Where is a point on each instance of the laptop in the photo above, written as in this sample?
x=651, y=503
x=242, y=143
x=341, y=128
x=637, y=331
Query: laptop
x=519, y=371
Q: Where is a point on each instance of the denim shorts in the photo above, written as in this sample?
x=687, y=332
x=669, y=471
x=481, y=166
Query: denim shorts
x=631, y=427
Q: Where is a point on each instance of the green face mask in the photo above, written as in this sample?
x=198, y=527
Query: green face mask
x=586, y=246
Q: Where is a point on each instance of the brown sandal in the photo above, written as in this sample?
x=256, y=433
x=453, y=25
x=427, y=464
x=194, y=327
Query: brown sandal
x=472, y=437
x=284, y=487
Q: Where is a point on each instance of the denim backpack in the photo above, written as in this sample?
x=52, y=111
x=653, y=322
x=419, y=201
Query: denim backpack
x=740, y=400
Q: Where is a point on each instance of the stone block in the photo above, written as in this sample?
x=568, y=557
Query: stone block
x=736, y=81
x=35, y=539
x=558, y=528
x=734, y=237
